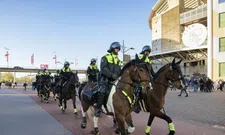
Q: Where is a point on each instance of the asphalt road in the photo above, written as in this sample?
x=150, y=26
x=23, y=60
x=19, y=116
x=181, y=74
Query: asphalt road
x=20, y=115
x=199, y=114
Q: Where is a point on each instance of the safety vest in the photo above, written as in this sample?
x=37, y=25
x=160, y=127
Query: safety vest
x=66, y=70
x=57, y=74
x=38, y=74
x=113, y=59
x=93, y=67
x=146, y=59
x=44, y=73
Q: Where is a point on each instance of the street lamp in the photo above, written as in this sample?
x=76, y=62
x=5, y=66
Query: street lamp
x=59, y=62
x=124, y=49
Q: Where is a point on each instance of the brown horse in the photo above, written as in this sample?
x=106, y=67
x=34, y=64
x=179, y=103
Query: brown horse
x=152, y=101
x=134, y=73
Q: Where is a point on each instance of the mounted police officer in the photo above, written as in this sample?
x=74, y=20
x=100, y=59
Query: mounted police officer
x=146, y=50
x=44, y=77
x=38, y=77
x=65, y=74
x=57, y=77
x=92, y=71
x=110, y=70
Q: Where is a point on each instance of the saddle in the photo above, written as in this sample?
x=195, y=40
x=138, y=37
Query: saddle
x=90, y=96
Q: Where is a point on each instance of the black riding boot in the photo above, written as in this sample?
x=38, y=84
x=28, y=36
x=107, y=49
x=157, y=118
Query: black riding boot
x=100, y=101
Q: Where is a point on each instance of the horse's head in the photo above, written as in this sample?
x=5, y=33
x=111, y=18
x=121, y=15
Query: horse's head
x=138, y=72
x=175, y=74
x=74, y=78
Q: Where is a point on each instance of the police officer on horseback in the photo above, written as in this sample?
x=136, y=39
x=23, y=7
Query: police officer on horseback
x=57, y=77
x=38, y=77
x=44, y=77
x=146, y=50
x=65, y=75
x=110, y=71
x=92, y=71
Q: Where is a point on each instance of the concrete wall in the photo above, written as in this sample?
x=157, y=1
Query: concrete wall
x=217, y=33
x=171, y=36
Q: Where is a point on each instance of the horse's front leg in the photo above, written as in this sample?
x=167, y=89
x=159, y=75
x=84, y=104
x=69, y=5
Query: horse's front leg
x=161, y=115
x=96, y=130
x=130, y=124
x=121, y=125
x=65, y=103
x=74, y=106
x=148, y=126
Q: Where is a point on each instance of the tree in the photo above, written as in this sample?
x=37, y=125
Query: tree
x=26, y=79
x=7, y=77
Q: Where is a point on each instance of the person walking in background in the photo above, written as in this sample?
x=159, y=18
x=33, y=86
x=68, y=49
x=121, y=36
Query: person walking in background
x=0, y=84
x=195, y=85
x=25, y=86
x=184, y=89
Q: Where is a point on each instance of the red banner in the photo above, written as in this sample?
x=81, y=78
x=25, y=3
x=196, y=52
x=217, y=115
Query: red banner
x=42, y=66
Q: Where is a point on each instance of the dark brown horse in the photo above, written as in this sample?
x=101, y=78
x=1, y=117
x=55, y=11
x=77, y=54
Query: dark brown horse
x=134, y=73
x=152, y=101
x=69, y=92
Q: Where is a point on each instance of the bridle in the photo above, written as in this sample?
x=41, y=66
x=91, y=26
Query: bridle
x=172, y=79
x=139, y=81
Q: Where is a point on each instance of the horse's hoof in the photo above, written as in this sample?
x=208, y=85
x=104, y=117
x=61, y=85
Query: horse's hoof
x=76, y=114
x=117, y=131
x=127, y=132
x=172, y=133
x=95, y=131
x=83, y=125
x=114, y=125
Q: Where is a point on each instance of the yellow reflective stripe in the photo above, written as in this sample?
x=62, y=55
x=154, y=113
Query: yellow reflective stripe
x=129, y=99
x=171, y=127
x=74, y=110
x=147, y=129
x=93, y=67
x=146, y=60
x=66, y=70
x=111, y=57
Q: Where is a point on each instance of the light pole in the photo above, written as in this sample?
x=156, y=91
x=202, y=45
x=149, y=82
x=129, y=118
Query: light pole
x=124, y=50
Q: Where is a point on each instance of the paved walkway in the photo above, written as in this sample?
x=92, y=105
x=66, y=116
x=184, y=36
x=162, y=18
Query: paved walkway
x=20, y=115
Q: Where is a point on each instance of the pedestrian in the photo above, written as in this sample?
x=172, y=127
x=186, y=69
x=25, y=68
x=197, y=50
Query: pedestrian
x=195, y=85
x=184, y=88
x=25, y=86
x=0, y=84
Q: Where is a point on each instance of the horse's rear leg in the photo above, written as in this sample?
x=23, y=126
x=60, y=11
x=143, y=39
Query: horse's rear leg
x=148, y=126
x=84, y=109
x=121, y=125
x=171, y=127
x=130, y=124
x=74, y=106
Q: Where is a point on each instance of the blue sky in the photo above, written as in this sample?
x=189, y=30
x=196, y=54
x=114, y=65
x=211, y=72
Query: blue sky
x=80, y=29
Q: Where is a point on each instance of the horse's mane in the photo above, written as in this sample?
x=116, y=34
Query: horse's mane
x=160, y=71
x=132, y=62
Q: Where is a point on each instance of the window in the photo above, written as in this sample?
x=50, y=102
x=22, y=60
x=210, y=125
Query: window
x=222, y=69
x=222, y=44
x=220, y=1
x=222, y=20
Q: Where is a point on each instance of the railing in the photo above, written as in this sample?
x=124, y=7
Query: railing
x=195, y=14
x=175, y=48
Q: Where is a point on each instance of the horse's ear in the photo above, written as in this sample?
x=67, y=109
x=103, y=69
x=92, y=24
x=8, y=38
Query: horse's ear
x=178, y=62
x=136, y=57
x=143, y=58
x=173, y=62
